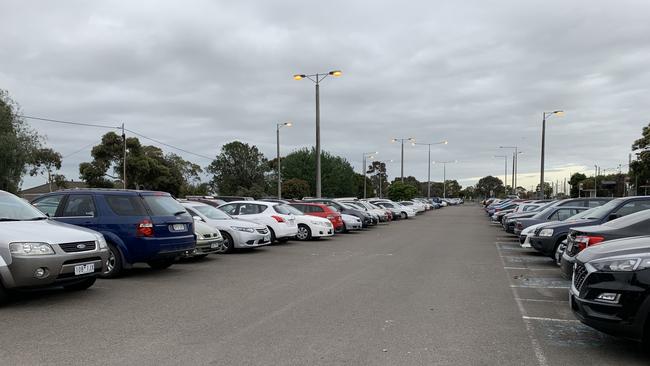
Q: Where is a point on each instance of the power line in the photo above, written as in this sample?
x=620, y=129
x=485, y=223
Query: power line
x=168, y=145
x=80, y=150
x=68, y=122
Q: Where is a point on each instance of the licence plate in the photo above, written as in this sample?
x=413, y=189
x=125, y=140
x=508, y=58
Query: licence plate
x=178, y=227
x=84, y=269
x=214, y=245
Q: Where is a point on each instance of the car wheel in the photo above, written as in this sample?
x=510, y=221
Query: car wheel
x=4, y=296
x=304, y=233
x=228, y=243
x=405, y=216
x=82, y=285
x=273, y=238
x=113, y=265
x=161, y=263
x=557, y=245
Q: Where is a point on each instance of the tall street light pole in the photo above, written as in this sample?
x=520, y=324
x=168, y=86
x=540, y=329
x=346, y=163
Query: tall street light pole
x=505, y=173
x=365, y=174
x=411, y=139
x=277, y=134
x=541, y=173
x=317, y=78
x=444, y=175
x=515, y=162
x=445, y=142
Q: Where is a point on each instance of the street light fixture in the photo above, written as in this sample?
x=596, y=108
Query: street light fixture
x=277, y=134
x=412, y=140
x=559, y=113
x=444, y=174
x=317, y=78
x=365, y=172
x=505, y=180
x=445, y=142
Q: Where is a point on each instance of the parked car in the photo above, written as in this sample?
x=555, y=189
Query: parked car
x=636, y=224
x=382, y=214
x=210, y=200
x=323, y=211
x=280, y=222
x=309, y=227
x=366, y=218
x=611, y=287
x=554, y=213
x=139, y=226
x=589, y=202
x=404, y=212
x=351, y=222
x=395, y=212
x=547, y=238
x=236, y=233
x=417, y=207
x=36, y=252
x=376, y=218
x=208, y=240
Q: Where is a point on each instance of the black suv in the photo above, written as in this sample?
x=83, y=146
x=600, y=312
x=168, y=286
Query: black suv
x=547, y=238
x=611, y=287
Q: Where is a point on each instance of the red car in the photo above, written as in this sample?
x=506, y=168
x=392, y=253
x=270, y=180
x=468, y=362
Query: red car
x=321, y=210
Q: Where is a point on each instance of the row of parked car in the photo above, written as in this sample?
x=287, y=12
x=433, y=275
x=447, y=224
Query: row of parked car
x=69, y=238
x=601, y=244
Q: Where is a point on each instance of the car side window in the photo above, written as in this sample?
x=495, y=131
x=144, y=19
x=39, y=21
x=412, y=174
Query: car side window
x=230, y=209
x=632, y=207
x=49, y=204
x=79, y=205
x=123, y=205
x=555, y=216
x=315, y=209
x=593, y=203
x=249, y=209
x=303, y=208
x=564, y=214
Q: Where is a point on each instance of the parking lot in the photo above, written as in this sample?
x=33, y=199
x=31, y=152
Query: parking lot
x=442, y=288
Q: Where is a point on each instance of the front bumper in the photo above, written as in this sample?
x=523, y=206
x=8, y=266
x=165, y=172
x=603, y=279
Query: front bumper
x=60, y=268
x=251, y=240
x=321, y=231
x=206, y=246
x=625, y=318
x=566, y=266
x=543, y=244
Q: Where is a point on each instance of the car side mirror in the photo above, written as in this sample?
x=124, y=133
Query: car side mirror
x=197, y=218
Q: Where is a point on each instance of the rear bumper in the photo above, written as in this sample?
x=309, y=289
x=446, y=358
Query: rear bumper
x=544, y=245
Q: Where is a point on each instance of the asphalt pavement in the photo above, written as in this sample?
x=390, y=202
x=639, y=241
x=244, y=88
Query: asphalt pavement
x=444, y=288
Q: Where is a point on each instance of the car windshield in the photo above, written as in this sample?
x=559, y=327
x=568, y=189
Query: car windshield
x=13, y=208
x=287, y=210
x=355, y=205
x=629, y=220
x=581, y=215
x=604, y=210
x=211, y=212
x=333, y=208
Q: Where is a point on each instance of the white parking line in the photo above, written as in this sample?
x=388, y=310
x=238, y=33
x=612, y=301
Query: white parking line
x=532, y=269
x=550, y=319
x=533, y=286
x=541, y=300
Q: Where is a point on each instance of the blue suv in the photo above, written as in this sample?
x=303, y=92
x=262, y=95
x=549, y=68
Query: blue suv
x=139, y=226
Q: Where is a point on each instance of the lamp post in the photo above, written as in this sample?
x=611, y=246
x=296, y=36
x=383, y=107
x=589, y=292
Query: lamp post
x=514, y=165
x=365, y=174
x=277, y=134
x=444, y=175
x=411, y=139
x=445, y=142
x=541, y=173
x=317, y=78
x=505, y=180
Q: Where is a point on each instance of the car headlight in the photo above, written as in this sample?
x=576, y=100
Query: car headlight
x=546, y=232
x=217, y=235
x=200, y=236
x=621, y=264
x=101, y=242
x=244, y=229
x=31, y=248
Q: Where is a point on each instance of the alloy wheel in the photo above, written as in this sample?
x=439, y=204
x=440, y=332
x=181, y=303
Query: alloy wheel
x=110, y=262
x=303, y=234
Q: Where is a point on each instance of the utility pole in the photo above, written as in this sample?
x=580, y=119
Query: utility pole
x=124, y=158
x=596, y=181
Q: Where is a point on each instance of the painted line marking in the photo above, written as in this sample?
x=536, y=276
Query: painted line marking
x=528, y=286
x=550, y=319
x=532, y=269
x=540, y=300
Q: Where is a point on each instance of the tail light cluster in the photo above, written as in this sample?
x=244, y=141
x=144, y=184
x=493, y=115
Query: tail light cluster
x=277, y=218
x=144, y=228
x=584, y=241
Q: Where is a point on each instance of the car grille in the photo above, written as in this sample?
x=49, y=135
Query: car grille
x=262, y=231
x=580, y=274
x=78, y=246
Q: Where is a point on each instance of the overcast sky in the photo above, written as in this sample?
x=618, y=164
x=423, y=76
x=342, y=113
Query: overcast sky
x=199, y=74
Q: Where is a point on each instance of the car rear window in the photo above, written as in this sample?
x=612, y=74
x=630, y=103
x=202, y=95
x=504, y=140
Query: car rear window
x=163, y=205
x=125, y=205
x=287, y=210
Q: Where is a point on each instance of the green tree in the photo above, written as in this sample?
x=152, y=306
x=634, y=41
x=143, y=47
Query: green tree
x=548, y=189
x=45, y=161
x=490, y=186
x=640, y=168
x=17, y=144
x=399, y=191
x=338, y=177
x=239, y=169
x=295, y=188
x=574, y=182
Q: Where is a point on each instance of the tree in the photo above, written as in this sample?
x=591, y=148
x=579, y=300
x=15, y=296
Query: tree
x=338, y=177
x=640, y=168
x=17, y=144
x=489, y=187
x=239, y=168
x=295, y=188
x=399, y=191
x=44, y=161
x=574, y=182
x=147, y=167
x=548, y=189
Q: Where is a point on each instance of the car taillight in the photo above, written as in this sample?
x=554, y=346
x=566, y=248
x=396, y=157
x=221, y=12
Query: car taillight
x=584, y=241
x=330, y=217
x=278, y=218
x=497, y=209
x=145, y=228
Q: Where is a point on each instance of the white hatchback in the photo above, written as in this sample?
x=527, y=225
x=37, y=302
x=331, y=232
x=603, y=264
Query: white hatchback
x=283, y=226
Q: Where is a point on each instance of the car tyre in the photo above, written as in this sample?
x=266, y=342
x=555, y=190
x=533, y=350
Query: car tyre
x=273, y=238
x=304, y=232
x=228, y=242
x=81, y=285
x=404, y=216
x=160, y=264
x=113, y=267
x=4, y=296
